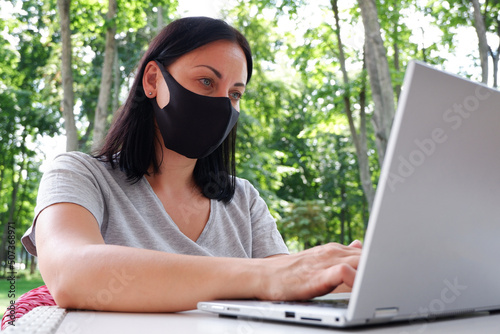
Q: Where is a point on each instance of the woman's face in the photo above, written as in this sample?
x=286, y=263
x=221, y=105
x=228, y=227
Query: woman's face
x=217, y=69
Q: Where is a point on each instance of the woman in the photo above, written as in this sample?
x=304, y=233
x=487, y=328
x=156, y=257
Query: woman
x=157, y=221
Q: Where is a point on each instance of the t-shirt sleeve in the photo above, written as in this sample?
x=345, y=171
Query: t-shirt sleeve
x=266, y=239
x=69, y=180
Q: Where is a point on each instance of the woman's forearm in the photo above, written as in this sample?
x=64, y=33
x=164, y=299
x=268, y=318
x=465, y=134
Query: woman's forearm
x=117, y=278
x=83, y=272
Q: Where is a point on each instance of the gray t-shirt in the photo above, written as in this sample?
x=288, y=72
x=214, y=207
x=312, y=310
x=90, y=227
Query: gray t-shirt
x=130, y=214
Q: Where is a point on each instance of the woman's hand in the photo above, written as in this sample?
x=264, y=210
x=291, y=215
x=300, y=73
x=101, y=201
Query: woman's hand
x=342, y=288
x=310, y=273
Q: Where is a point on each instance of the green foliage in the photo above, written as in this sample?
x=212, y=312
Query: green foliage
x=135, y=27
x=294, y=142
x=26, y=113
x=308, y=223
x=290, y=128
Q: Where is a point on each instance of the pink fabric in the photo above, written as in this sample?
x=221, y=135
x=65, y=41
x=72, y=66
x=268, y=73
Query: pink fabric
x=25, y=303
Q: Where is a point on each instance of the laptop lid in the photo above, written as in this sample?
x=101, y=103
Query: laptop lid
x=432, y=243
x=432, y=240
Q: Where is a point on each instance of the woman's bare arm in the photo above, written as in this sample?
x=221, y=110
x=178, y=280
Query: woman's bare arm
x=83, y=272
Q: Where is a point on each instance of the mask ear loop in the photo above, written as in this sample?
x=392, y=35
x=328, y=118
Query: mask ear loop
x=162, y=68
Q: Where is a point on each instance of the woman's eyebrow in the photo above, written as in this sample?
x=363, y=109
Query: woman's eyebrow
x=219, y=75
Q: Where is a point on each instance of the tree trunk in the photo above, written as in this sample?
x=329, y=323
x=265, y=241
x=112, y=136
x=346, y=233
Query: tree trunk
x=395, y=47
x=343, y=212
x=102, y=110
x=17, y=184
x=380, y=77
x=67, y=77
x=13, y=201
x=360, y=142
x=159, y=19
x=365, y=174
x=496, y=56
x=32, y=264
x=483, y=42
x=116, y=81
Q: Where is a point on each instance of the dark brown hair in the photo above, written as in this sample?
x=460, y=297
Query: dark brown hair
x=130, y=142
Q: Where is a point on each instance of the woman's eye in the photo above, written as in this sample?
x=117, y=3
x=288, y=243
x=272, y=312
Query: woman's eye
x=235, y=95
x=206, y=82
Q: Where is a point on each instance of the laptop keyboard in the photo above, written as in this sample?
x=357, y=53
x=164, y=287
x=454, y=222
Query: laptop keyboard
x=332, y=303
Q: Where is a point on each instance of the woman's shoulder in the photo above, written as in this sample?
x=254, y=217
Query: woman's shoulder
x=83, y=164
x=243, y=185
x=73, y=157
x=76, y=160
x=244, y=189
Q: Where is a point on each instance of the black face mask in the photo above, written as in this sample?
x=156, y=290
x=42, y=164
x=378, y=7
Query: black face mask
x=191, y=124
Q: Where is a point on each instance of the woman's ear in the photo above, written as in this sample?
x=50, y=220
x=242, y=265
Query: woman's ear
x=150, y=79
x=154, y=84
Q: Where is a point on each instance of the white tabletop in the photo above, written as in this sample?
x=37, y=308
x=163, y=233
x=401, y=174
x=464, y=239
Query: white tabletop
x=200, y=322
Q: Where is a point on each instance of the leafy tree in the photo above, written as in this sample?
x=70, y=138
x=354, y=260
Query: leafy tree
x=68, y=101
x=307, y=138
x=483, y=16
x=23, y=118
x=288, y=113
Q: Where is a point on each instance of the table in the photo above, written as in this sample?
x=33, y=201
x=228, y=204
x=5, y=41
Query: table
x=192, y=322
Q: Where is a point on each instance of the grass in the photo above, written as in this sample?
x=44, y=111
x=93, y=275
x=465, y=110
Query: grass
x=24, y=283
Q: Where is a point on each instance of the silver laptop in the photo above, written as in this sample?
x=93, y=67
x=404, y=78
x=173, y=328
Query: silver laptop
x=433, y=240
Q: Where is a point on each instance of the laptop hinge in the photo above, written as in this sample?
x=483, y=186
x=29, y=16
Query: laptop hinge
x=386, y=312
